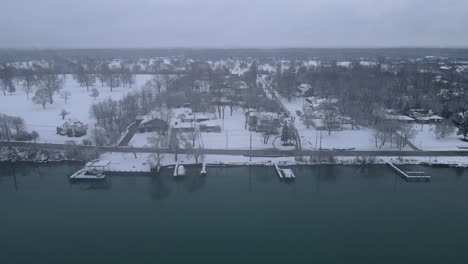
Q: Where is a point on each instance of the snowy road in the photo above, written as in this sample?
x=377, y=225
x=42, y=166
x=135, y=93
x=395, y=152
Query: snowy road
x=254, y=152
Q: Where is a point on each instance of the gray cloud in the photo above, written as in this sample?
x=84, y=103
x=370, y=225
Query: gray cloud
x=233, y=23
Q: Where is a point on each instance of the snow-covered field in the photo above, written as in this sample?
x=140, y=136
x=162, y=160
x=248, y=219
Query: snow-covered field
x=45, y=121
x=360, y=139
x=426, y=140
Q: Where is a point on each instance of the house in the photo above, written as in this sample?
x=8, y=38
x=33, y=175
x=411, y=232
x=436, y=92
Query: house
x=303, y=89
x=153, y=125
x=197, y=117
x=318, y=124
x=267, y=121
x=72, y=129
x=250, y=118
x=210, y=126
x=202, y=86
x=183, y=127
x=424, y=116
x=391, y=114
x=399, y=118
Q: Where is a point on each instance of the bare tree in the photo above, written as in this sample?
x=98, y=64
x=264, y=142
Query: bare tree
x=29, y=80
x=444, y=128
x=103, y=73
x=127, y=76
x=85, y=77
x=6, y=76
x=158, y=143
x=52, y=83
x=406, y=132
x=331, y=121
x=64, y=113
x=112, y=79
x=41, y=97
x=94, y=93
x=99, y=136
x=65, y=95
x=18, y=124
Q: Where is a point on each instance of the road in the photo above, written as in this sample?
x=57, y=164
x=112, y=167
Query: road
x=132, y=129
x=244, y=152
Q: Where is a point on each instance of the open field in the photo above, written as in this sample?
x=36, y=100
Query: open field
x=45, y=121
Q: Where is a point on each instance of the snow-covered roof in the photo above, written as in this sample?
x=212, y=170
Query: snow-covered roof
x=399, y=117
x=73, y=122
x=428, y=118
x=98, y=163
x=184, y=125
x=210, y=123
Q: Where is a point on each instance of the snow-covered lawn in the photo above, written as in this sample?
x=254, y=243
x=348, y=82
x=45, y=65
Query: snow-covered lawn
x=45, y=121
x=426, y=139
x=360, y=139
x=141, y=139
x=233, y=135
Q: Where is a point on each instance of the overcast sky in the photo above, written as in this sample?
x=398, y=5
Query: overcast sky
x=232, y=23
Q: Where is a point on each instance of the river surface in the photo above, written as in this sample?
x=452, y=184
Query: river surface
x=330, y=214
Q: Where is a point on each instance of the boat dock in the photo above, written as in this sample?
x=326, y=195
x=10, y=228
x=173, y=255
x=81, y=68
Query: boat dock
x=411, y=176
x=203, y=170
x=179, y=170
x=93, y=170
x=284, y=173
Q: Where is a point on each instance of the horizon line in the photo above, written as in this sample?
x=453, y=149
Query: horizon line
x=236, y=47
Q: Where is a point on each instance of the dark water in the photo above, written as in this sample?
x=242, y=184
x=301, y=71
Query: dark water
x=331, y=214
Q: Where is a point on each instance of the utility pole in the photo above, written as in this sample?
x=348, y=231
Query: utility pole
x=320, y=150
x=316, y=139
x=7, y=131
x=227, y=142
x=250, y=159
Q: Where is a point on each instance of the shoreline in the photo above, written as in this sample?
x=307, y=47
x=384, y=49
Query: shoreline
x=142, y=163
x=378, y=162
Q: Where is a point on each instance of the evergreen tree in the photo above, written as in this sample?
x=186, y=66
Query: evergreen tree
x=285, y=134
x=461, y=122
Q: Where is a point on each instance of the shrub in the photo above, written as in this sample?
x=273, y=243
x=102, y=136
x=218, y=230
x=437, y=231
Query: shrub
x=25, y=136
x=87, y=142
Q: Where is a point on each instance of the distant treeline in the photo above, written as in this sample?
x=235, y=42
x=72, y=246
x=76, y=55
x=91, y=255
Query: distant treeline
x=11, y=55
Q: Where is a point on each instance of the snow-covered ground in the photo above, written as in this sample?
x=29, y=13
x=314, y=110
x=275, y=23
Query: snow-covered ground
x=426, y=139
x=233, y=135
x=141, y=139
x=141, y=162
x=45, y=121
x=360, y=139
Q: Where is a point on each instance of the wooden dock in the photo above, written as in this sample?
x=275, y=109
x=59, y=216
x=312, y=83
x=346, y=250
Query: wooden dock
x=415, y=176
